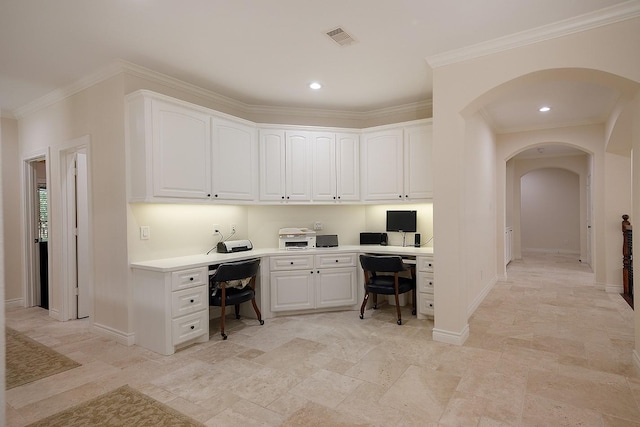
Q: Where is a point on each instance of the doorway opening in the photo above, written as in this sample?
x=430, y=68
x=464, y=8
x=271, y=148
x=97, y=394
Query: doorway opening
x=37, y=209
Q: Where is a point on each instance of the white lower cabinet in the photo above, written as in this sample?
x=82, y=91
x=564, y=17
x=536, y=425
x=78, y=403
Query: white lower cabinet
x=304, y=282
x=425, y=284
x=170, y=308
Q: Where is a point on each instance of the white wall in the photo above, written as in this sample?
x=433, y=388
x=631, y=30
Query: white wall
x=178, y=230
x=464, y=87
x=550, y=211
x=12, y=203
x=99, y=113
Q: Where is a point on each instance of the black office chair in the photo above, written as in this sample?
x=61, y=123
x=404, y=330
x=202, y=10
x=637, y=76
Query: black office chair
x=386, y=284
x=229, y=286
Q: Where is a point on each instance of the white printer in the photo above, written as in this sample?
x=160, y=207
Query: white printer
x=234, y=246
x=296, y=238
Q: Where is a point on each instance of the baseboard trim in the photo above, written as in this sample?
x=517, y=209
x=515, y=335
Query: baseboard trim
x=613, y=289
x=123, y=338
x=14, y=303
x=476, y=303
x=450, y=337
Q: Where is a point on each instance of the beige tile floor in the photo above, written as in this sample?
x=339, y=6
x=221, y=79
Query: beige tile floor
x=547, y=348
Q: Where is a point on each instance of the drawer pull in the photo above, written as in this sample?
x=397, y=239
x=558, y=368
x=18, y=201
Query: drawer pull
x=430, y=283
x=193, y=327
x=191, y=301
x=337, y=261
x=291, y=262
x=431, y=305
x=191, y=279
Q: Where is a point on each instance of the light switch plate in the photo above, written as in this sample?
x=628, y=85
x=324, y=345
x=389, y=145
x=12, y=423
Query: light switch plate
x=145, y=232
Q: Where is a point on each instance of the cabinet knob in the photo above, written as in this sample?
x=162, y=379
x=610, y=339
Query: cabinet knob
x=400, y=196
x=191, y=279
x=334, y=197
x=191, y=301
x=312, y=272
x=193, y=327
x=430, y=283
x=337, y=260
x=291, y=262
x=287, y=197
x=282, y=197
x=215, y=195
x=406, y=195
x=338, y=197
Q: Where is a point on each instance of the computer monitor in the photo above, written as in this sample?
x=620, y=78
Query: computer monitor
x=404, y=221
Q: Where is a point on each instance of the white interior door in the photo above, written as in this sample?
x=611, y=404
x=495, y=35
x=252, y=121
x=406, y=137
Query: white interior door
x=82, y=236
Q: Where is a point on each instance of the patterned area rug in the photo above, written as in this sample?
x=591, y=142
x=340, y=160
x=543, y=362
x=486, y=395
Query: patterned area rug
x=27, y=360
x=121, y=407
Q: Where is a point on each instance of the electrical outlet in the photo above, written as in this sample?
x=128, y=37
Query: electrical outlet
x=318, y=225
x=216, y=229
x=233, y=228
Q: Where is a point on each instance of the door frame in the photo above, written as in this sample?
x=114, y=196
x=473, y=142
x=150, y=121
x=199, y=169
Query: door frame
x=31, y=284
x=69, y=308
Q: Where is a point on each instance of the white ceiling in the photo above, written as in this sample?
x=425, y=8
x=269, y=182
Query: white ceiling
x=265, y=53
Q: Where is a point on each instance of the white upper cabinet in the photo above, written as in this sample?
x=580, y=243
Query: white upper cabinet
x=234, y=160
x=418, y=177
x=396, y=164
x=181, y=139
x=298, y=164
x=285, y=165
x=335, y=167
x=382, y=165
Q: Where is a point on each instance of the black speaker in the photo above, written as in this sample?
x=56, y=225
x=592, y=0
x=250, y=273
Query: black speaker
x=416, y=241
x=373, y=239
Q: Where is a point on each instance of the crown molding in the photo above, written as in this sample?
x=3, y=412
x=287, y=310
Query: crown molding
x=67, y=91
x=121, y=66
x=587, y=21
x=7, y=114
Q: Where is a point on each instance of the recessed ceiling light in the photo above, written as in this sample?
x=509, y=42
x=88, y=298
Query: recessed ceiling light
x=315, y=85
x=544, y=109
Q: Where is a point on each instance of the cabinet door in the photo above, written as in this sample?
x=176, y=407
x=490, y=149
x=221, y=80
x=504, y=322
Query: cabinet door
x=348, y=166
x=324, y=166
x=272, y=165
x=234, y=161
x=181, y=140
x=298, y=166
x=292, y=290
x=418, y=176
x=382, y=165
x=336, y=287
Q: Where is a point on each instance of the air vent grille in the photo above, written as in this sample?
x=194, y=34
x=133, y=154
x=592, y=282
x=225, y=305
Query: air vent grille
x=341, y=37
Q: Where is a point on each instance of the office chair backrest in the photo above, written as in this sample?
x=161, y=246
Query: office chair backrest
x=236, y=270
x=381, y=263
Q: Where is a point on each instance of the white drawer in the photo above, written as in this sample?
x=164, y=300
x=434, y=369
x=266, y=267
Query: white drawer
x=190, y=326
x=336, y=260
x=425, y=304
x=189, y=301
x=425, y=282
x=188, y=278
x=291, y=262
x=425, y=264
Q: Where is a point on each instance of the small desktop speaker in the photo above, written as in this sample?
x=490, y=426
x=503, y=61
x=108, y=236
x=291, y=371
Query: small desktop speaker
x=416, y=241
x=373, y=239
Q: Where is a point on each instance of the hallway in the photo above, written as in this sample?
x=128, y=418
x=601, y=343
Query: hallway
x=547, y=348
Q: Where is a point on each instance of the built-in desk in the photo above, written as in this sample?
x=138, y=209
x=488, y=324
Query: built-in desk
x=171, y=304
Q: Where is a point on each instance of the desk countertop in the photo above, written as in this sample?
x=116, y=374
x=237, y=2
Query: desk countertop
x=201, y=260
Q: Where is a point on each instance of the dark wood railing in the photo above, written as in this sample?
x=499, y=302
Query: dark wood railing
x=627, y=260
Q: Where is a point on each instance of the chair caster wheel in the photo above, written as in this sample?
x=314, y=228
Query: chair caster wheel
x=224, y=336
x=262, y=322
x=238, y=317
x=399, y=322
x=362, y=316
x=413, y=312
x=375, y=306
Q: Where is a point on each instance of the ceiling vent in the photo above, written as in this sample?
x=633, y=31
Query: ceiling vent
x=341, y=37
